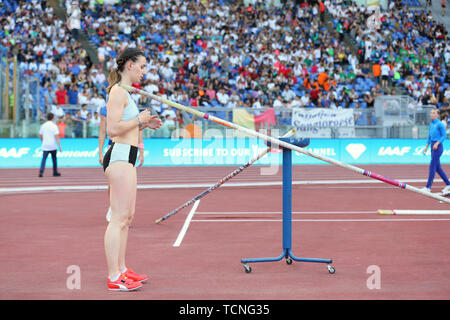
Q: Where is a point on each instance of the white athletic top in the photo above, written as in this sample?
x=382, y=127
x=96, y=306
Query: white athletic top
x=48, y=131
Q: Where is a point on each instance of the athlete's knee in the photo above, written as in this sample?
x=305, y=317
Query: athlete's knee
x=120, y=218
x=130, y=217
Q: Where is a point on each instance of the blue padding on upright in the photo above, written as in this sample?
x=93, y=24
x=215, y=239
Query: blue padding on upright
x=299, y=142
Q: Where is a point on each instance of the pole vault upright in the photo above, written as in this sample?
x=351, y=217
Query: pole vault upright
x=287, y=214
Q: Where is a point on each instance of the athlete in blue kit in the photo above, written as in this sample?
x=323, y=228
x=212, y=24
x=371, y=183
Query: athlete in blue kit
x=436, y=137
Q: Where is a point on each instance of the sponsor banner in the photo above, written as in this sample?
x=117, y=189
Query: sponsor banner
x=319, y=123
x=16, y=153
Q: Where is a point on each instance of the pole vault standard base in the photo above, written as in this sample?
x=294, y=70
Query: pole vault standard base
x=287, y=215
x=287, y=254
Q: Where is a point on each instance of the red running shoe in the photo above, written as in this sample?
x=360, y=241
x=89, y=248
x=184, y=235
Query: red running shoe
x=130, y=274
x=123, y=284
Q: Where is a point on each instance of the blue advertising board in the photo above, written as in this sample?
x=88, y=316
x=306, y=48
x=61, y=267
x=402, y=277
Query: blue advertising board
x=17, y=153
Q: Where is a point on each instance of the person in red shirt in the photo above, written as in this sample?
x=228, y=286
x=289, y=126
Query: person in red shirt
x=61, y=95
x=322, y=10
x=314, y=94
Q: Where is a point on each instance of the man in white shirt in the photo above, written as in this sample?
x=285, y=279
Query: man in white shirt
x=222, y=97
x=287, y=94
x=74, y=22
x=84, y=97
x=98, y=101
x=57, y=111
x=169, y=112
x=84, y=112
x=98, y=78
x=385, y=74
x=305, y=99
x=49, y=135
x=447, y=93
x=166, y=72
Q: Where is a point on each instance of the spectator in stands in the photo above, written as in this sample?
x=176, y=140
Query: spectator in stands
x=447, y=92
x=84, y=97
x=385, y=69
x=222, y=97
x=444, y=118
x=376, y=68
x=94, y=124
x=61, y=95
x=72, y=94
x=170, y=113
x=98, y=79
x=445, y=105
x=98, y=101
x=48, y=96
x=305, y=99
x=179, y=121
x=61, y=127
x=428, y=98
x=57, y=111
x=74, y=22
x=84, y=113
x=314, y=95
x=167, y=127
x=211, y=93
x=278, y=103
x=199, y=39
x=78, y=125
x=69, y=126
x=368, y=98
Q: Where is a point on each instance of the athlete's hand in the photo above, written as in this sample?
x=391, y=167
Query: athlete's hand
x=144, y=117
x=154, y=122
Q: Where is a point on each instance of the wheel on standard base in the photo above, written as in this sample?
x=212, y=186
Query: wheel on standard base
x=289, y=260
x=247, y=268
x=331, y=270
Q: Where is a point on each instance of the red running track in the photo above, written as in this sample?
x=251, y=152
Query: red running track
x=44, y=233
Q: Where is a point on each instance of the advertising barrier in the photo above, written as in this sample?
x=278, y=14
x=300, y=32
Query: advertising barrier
x=21, y=153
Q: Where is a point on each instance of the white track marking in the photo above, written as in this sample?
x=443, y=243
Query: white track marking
x=279, y=212
x=416, y=212
x=180, y=237
x=198, y=185
x=317, y=220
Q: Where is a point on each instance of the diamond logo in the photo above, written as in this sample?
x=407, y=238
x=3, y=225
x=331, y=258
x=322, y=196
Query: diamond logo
x=355, y=149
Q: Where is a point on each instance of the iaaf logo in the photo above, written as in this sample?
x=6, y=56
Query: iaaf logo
x=357, y=149
x=393, y=151
x=13, y=152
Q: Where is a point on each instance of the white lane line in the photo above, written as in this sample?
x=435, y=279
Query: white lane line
x=180, y=237
x=198, y=185
x=279, y=212
x=316, y=220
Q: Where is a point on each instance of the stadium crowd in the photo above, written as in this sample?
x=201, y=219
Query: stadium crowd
x=409, y=49
x=224, y=54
